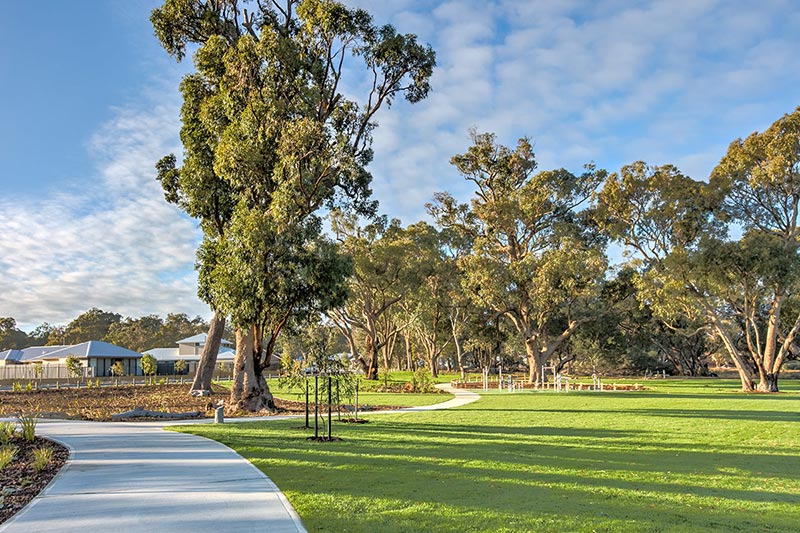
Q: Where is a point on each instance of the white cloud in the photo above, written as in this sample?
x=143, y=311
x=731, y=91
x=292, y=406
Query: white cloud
x=612, y=81
x=108, y=241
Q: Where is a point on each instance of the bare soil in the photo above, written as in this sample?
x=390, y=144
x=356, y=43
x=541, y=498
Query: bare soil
x=19, y=482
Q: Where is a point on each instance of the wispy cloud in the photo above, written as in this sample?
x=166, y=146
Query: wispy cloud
x=613, y=82
x=109, y=240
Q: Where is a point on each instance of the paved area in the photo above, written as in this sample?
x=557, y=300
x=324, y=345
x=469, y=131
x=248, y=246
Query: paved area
x=136, y=477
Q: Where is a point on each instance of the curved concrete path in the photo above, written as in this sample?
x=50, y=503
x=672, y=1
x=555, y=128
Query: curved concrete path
x=136, y=477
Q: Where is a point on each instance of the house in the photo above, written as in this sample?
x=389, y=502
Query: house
x=190, y=350
x=97, y=358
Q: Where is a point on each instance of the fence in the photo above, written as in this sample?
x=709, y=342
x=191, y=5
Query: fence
x=28, y=372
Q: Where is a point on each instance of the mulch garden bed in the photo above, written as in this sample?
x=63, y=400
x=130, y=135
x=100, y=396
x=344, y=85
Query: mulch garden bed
x=101, y=403
x=19, y=482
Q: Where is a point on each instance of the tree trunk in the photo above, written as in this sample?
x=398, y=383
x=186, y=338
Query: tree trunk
x=208, y=359
x=769, y=383
x=409, y=353
x=250, y=391
x=535, y=361
x=372, y=370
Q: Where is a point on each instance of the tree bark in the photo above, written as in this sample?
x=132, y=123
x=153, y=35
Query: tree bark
x=372, y=364
x=535, y=360
x=409, y=353
x=250, y=391
x=769, y=383
x=208, y=359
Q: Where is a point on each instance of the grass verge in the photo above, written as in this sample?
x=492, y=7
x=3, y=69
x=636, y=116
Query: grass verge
x=684, y=456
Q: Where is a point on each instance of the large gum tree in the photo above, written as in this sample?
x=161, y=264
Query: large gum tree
x=533, y=258
x=744, y=289
x=289, y=139
x=760, y=179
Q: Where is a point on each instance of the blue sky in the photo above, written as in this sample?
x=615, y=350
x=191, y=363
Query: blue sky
x=88, y=103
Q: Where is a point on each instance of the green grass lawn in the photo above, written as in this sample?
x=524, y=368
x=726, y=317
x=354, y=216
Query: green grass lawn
x=685, y=456
x=365, y=399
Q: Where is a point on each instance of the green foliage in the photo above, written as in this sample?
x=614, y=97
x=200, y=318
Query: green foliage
x=421, y=382
x=180, y=366
x=387, y=268
x=269, y=139
x=94, y=324
x=28, y=426
x=117, y=369
x=11, y=338
x=16, y=386
x=149, y=364
x=535, y=257
x=74, y=366
x=7, y=431
x=690, y=270
x=7, y=454
x=41, y=458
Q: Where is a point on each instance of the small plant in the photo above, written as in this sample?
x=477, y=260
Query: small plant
x=41, y=458
x=149, y=365
x=162, y=381
x=29, y=386
x=180, y=366
x=16, y=386
x=7, y=431
x=28, y=425
x=117, y=369
x=420, y=381
x=7, y=453
x=74, y=366
x=38, y=370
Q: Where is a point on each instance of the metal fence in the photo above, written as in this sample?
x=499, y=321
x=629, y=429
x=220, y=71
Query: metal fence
x=48, y=372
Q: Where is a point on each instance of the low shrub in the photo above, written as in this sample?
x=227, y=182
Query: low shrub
x=28, y=425
x=421, y=381
x=7, y=431
x=41, y=458
x=7, y=453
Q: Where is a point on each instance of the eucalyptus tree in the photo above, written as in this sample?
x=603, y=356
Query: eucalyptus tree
x=429, y=304
x=533, y=256
x=666, y=218
x=692, y=270
x=288, y=138
x=759, y=275
x=306, y=276
x=384, y=274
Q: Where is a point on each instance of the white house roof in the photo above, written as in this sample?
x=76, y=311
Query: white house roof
x=200, y=339
x=164, y=354
x=171, y=354
x=92, y=349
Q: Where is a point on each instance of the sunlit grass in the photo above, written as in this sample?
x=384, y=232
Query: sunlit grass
x=366, y=400
x=684, y=456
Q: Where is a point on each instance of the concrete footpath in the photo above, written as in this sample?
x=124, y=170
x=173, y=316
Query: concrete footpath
x=136, y=477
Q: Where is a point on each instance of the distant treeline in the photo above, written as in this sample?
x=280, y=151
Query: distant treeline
x=139, y=334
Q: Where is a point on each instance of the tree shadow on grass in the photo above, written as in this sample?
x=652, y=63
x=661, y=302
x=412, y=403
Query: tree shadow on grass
x=514, y=482
x=729, y=414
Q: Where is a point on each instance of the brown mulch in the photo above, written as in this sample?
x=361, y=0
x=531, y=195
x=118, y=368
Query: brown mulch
x=20, y=482
x=100, y=403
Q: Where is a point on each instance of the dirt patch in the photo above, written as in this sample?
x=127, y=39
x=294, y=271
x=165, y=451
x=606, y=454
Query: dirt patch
x=103, y=402
x=19, y=481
